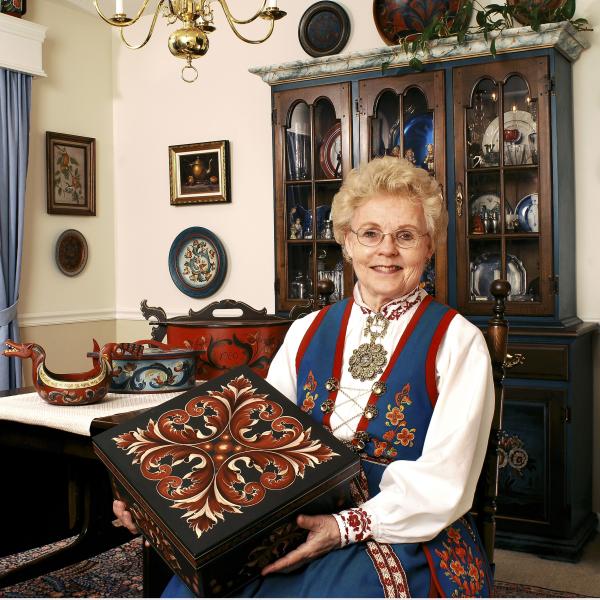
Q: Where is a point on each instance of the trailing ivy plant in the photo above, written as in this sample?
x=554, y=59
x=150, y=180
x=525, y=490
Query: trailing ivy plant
x=489, y=19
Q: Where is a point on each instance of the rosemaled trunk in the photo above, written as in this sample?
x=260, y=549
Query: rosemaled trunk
x=216, y=477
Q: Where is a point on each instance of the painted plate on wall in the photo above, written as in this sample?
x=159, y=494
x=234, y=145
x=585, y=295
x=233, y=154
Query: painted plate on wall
x=71, y=252
x=324, y=29
x=396, y=19
x=197, y=262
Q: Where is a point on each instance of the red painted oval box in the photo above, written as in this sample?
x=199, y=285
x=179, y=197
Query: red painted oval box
x=215, y=478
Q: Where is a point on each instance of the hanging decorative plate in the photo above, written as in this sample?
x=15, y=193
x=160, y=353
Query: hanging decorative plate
x=324, y=29
x=396, y=19
x=330, y=154
x=418, y=132
x=197, y=262
x=71, y=252
x=545, y=7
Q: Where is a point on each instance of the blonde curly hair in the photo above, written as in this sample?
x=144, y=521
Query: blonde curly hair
x=396, y=177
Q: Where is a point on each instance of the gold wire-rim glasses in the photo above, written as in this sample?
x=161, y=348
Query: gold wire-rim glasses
x=401, y=242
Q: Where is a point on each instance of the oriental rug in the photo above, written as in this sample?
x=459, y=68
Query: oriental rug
x=117, y=573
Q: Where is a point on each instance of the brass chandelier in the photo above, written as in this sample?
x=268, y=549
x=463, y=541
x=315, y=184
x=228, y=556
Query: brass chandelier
x=196, y=16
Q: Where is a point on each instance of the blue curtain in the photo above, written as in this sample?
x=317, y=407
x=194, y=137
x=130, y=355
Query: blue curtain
x=15, y=105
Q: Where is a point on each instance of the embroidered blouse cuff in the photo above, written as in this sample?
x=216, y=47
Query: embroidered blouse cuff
x=354, y=525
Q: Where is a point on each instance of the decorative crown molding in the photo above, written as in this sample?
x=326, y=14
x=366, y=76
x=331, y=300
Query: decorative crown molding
x=21, y=45
x=562, y=36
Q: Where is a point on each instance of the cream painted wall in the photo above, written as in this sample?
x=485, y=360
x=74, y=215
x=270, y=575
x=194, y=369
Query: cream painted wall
x=75, y=98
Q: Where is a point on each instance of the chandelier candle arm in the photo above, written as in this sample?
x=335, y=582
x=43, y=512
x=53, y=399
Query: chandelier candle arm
x=190, y=41
x=150, y=31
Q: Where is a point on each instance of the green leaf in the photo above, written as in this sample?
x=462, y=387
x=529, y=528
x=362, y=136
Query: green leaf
x=74, y=161
x=493, y=47
x=568, y=9
x=59, y=190
x=415, y=64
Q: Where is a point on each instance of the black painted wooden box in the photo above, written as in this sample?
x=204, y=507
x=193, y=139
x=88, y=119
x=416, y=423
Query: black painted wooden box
x=215, y=477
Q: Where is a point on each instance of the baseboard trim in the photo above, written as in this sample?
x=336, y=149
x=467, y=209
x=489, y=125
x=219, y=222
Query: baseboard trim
x=63, y=318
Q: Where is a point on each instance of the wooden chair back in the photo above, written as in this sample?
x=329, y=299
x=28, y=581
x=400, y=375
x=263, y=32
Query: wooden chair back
x=484, y=504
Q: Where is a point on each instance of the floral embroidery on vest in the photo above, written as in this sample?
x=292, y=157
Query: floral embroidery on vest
x=460, y=566
x=310, y=385
x=399, y=433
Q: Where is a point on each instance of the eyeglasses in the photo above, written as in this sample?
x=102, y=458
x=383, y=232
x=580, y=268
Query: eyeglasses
x=404, y=238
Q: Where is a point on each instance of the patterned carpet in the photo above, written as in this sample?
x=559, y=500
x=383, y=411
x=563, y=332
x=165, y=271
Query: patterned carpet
x=118, y=574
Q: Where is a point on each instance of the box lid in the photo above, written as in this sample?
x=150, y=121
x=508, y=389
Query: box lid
x=222, y=460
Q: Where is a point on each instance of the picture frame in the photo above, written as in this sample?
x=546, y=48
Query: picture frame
x=71, y=174
x=324, y=29
x=199, y=173
x=14, y=8
x=197, y=262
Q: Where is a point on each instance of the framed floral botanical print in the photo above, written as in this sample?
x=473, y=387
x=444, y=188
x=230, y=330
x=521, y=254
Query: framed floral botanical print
x=71, y=174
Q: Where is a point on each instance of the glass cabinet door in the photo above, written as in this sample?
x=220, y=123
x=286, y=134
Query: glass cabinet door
x=503, y=197
x=312, y=153
x=404, y=116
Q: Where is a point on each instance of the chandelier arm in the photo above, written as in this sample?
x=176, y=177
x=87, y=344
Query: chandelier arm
x=249, y=41
x=232, y=19
x=129, y=21
x=150, y=31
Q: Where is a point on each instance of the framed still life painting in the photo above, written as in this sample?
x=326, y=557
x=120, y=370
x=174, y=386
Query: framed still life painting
x=71, y=174
x=199, y=173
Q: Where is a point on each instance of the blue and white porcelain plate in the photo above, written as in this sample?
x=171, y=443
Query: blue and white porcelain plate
x=527, y=213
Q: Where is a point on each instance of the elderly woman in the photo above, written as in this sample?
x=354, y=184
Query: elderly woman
x=407, y=383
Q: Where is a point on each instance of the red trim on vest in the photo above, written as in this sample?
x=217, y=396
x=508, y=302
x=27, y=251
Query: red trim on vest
x=433, y=593
x=337, y=360
x=373, y=398
x=436, y=340
x=436, y=583
x=309, y=335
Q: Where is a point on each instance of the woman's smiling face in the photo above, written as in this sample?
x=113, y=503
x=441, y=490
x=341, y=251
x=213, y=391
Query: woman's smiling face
x=387, y=271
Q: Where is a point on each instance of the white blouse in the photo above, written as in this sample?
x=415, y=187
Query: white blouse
x=417, y=499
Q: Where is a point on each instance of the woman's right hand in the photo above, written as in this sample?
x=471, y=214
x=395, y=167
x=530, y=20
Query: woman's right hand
x=124, y=516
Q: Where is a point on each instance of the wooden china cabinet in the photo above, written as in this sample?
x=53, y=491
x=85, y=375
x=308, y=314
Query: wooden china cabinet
x=497, y=135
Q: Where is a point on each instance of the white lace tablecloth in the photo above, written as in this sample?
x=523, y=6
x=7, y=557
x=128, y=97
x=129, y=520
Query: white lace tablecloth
x=32, y=410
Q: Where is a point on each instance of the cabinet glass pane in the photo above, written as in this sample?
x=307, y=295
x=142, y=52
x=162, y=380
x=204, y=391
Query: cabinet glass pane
x=485, y=266
x=384, y=123
x=299, y=272
x=521, y=201
x=428, y=277
x=330, y=265
x=299, y=212
x=324, y=193
x=520, y=127
x=484, y=192
x=523, y=269
x=298, y=143
x=417, y=131
x=328, y=141
x=483, y=147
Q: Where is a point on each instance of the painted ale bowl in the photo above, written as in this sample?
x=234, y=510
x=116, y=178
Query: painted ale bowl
x=159, y=368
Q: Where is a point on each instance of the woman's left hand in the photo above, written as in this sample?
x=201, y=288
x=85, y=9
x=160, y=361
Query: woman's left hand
x=323, y=536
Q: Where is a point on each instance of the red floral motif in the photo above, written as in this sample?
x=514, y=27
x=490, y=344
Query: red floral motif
x=357, y=525
x=460, y=566
x=309, y=398
x=399, y=433
x=198, y=468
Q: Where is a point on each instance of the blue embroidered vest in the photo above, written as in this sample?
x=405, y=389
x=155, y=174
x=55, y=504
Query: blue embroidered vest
x=396, y=425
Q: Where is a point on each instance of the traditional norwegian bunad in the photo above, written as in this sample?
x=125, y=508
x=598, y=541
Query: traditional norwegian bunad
x=392, y=426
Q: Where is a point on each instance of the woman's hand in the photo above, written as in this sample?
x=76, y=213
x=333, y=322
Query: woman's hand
x=323, y=536
x=124, y=516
